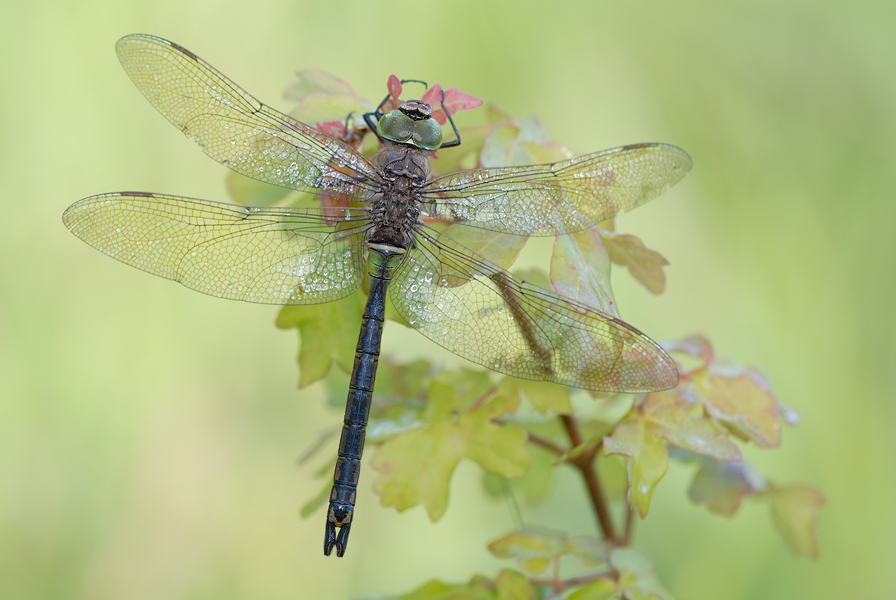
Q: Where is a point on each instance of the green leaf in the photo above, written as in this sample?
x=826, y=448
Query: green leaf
x=602, y=589
x=436, y=590
x=533, y=549
x=647, y=459
x=741, y=400
x=328, y=333
x=664, y=416
x=645, y=265
x=415, y=467
x=636, y=578
x=470, y=385
x=589, y=551
x=512, y=585
x=794, y=511
x=534, y=485
x=580, y=269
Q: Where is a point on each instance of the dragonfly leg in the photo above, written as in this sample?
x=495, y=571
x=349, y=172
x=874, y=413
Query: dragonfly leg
x=456, y=141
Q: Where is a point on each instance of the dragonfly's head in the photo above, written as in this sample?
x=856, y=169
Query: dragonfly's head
x=412, y=123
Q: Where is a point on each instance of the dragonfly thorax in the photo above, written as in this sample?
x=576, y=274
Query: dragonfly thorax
x=395, y=210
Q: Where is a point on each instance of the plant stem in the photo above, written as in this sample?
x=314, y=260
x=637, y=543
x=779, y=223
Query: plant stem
x=629, y=525
x=585, y=464
x=547, y=444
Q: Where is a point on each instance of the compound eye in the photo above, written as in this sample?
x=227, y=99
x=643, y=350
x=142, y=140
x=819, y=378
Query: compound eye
x=427, y=134
x=396, y=126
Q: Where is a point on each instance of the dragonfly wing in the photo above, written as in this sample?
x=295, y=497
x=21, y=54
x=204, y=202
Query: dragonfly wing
x=265, y=255
x=560, y=197
x=490, y=317
x=237, y=130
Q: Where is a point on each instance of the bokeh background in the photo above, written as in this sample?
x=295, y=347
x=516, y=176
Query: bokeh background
x=149, y=434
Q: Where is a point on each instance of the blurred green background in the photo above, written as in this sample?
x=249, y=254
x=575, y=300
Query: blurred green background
x=149, y=434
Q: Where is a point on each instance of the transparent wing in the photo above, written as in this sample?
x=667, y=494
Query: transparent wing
x=237, y=130
x=490, y=317
x=265, y=255
x=560, y=197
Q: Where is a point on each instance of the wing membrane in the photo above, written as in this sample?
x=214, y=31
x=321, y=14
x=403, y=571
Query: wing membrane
x=237, y=130
x=488, y=316
x=265, y=255
x=561, y=197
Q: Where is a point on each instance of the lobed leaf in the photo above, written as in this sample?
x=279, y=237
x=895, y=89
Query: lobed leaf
x=416, y=466
x=644, y=264
x=328, y=332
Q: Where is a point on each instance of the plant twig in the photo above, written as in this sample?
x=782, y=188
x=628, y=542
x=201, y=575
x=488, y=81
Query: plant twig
x=629, y=525
x=585, y=464
x=546, y=444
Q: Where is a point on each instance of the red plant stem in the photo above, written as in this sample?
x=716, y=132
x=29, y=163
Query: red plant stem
x=585, y=464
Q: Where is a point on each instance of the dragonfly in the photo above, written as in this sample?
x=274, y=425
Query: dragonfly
x=310, y=255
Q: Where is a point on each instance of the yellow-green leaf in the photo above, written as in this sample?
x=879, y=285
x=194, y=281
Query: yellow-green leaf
x=328, y=333
x=580, y=270
x=499, y=248
x=589, y=551
x=544, y=396
x=416, y=466
x=533, y=549
x=645, y=265
x=742, y=400
x=602, y=589
x=794, y=510
x=647, y=459
x=682, y=423
x=512, y=585
x=636, y=578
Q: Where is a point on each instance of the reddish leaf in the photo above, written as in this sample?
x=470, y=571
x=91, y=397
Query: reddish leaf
x=454, y=101
x=394, y=86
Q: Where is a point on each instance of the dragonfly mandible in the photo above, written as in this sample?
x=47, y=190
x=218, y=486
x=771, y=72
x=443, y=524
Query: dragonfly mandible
x=276, y=255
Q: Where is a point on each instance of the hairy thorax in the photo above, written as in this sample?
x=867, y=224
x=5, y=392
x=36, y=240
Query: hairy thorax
x=395, y=209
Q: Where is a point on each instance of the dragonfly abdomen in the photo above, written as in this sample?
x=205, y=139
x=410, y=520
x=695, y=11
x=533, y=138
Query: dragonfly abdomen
x=383, y=260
